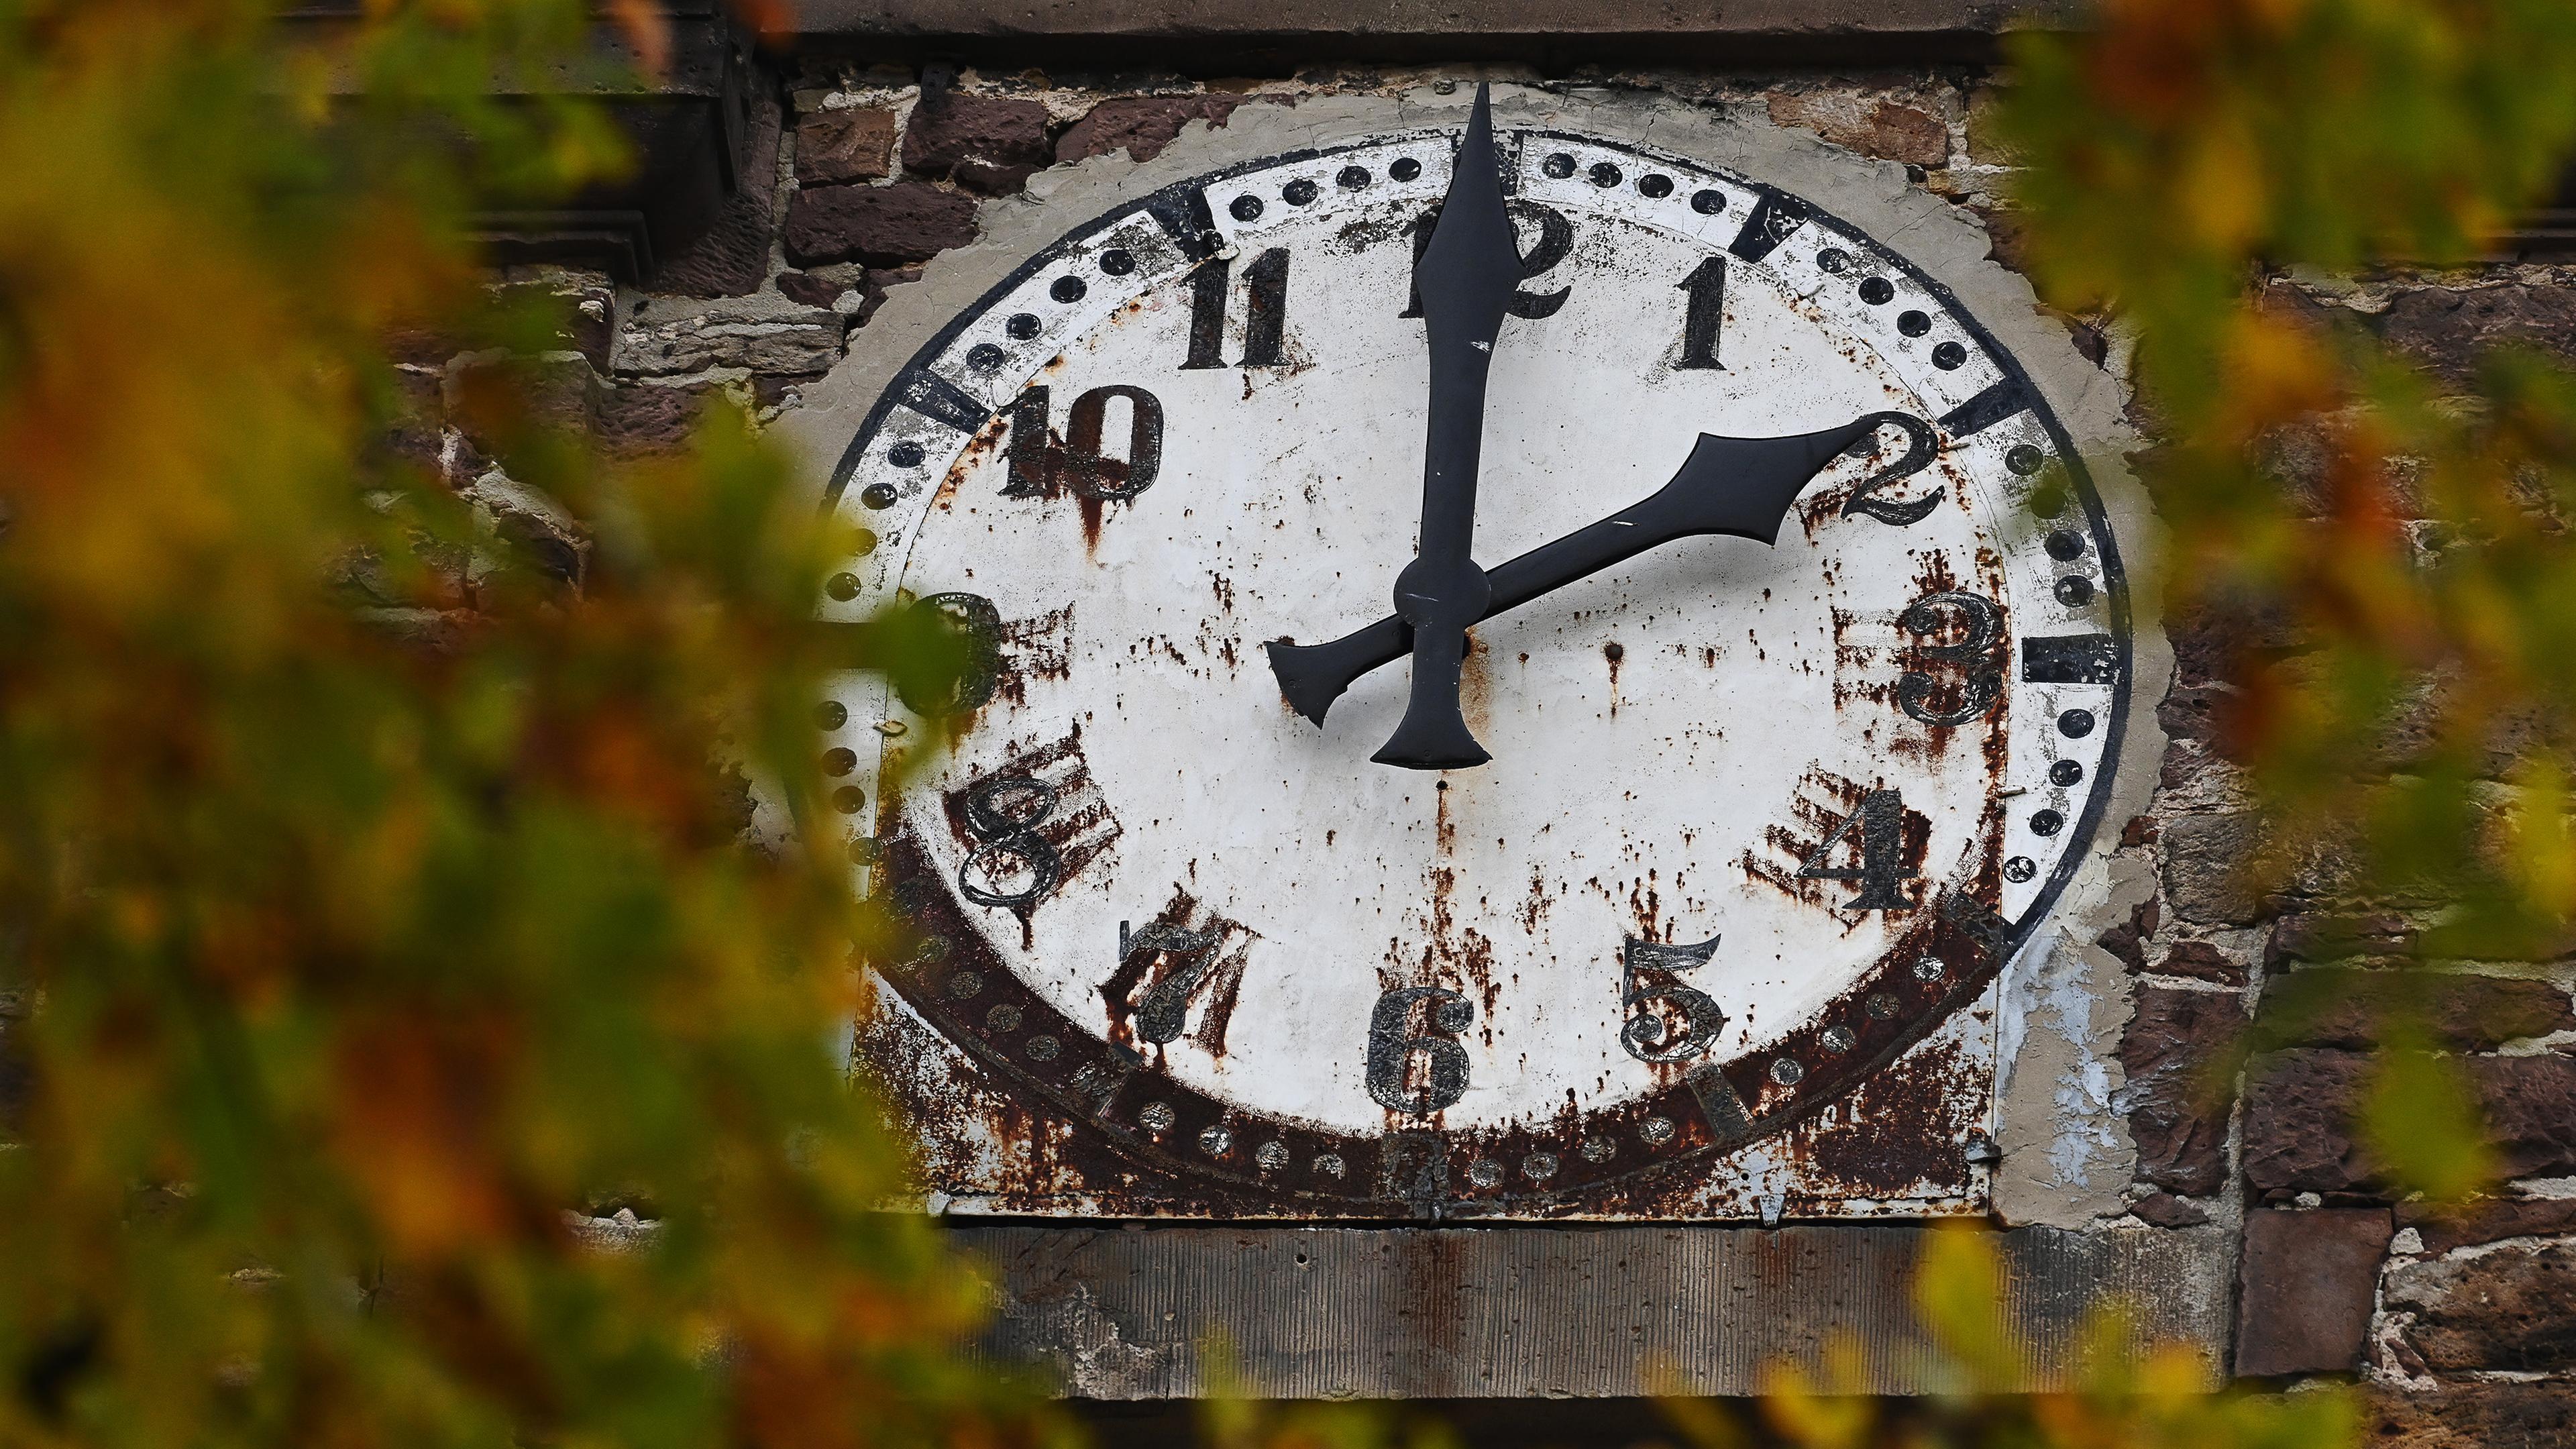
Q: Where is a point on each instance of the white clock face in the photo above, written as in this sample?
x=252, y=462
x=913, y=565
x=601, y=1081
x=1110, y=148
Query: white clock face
x=1757, y=817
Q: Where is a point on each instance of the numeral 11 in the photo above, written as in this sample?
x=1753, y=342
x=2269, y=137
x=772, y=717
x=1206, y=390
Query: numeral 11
x=1265, y=323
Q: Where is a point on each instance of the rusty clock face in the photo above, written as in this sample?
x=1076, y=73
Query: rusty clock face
x=1799, y=659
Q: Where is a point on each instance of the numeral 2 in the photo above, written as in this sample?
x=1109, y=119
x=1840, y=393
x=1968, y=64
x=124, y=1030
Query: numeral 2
x=1880, y=825
x=1265, y=321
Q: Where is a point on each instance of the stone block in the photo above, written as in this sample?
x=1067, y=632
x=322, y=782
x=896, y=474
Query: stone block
x=2298, y=1122
x=1141, y=126
x=2208, y=868
x=503, y=403
x=2218, y=643
x=2300, y=1131
x=2201, y=961
x=2530, y=1109
x=2192, y=712
x=988, y=144
x=2510, y=1308
x=2448, y=329
x=2471, y=1416
x=2342, y=1006
x=1890, y=129
x=2164, y=1210
x=2306, y=1286
x=806, y=342
x=2445, y=1226
x=853, y=143
x=2334, y=938
x=2178, y=1108
x=883, y=226
x=642, y=417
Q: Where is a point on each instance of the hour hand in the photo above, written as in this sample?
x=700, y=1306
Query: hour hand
x=1741, y=487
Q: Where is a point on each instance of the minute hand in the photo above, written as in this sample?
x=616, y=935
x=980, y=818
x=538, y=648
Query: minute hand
x=1741, y=487
x=1466, y=278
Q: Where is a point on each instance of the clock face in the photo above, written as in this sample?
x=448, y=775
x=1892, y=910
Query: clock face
x=1758, y=819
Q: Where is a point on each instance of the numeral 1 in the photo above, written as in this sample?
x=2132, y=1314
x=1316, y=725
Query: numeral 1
x=1265, y=322
x=1700, y=325
x=1880, y=824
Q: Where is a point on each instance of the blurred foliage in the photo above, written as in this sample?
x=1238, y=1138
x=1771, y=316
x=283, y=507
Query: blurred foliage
x=2381, y=556
x=2124, y=1395
x=374, y=895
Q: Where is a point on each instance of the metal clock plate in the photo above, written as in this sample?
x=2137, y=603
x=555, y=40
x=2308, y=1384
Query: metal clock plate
x=1761, y=826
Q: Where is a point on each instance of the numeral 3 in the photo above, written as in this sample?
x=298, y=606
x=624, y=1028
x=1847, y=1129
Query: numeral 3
x=1980, y=685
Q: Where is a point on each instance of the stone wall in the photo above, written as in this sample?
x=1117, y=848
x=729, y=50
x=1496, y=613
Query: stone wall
x=2463, y=1324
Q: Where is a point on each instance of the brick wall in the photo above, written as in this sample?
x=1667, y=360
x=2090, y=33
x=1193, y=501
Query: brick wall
x=2463, y=1325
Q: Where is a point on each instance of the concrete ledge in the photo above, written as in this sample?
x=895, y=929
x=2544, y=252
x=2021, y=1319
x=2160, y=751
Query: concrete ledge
x=1198, y=35
x=1124, y=1313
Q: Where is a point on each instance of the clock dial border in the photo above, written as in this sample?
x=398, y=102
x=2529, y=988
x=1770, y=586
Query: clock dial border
x=1718, y=1109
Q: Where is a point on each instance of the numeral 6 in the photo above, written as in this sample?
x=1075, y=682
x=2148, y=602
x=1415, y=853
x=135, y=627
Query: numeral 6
x=1391, y=1051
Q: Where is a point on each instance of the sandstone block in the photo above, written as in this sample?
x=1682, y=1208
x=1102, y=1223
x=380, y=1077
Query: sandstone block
x=2306, y=1286
x=2177, y=1108
x=988, y=144
x=852, y=144
x=2448, y=329
x=2472, y=1416
x=2513, y=1308
x=1890, y=129
x=883, y=226
x=2208, y=868
x=2446, y=1226
x=2342, y=1006
x=1141, y=126
x=2300, y=1133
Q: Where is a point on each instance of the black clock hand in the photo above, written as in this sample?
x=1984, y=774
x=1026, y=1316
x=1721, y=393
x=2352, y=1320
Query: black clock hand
x=1736, y=486
x=1466, y=278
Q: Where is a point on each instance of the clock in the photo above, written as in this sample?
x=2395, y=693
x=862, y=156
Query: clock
x=1511, y=672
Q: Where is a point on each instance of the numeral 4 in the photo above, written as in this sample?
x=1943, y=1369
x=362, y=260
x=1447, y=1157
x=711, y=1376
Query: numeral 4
x=1877, y=830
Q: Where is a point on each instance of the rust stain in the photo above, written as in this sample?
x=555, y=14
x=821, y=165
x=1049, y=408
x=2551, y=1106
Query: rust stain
x=1902, y=1125
x=1144, y=970
x=1614, y=652
x=1040, y=647
x=1476, y=685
